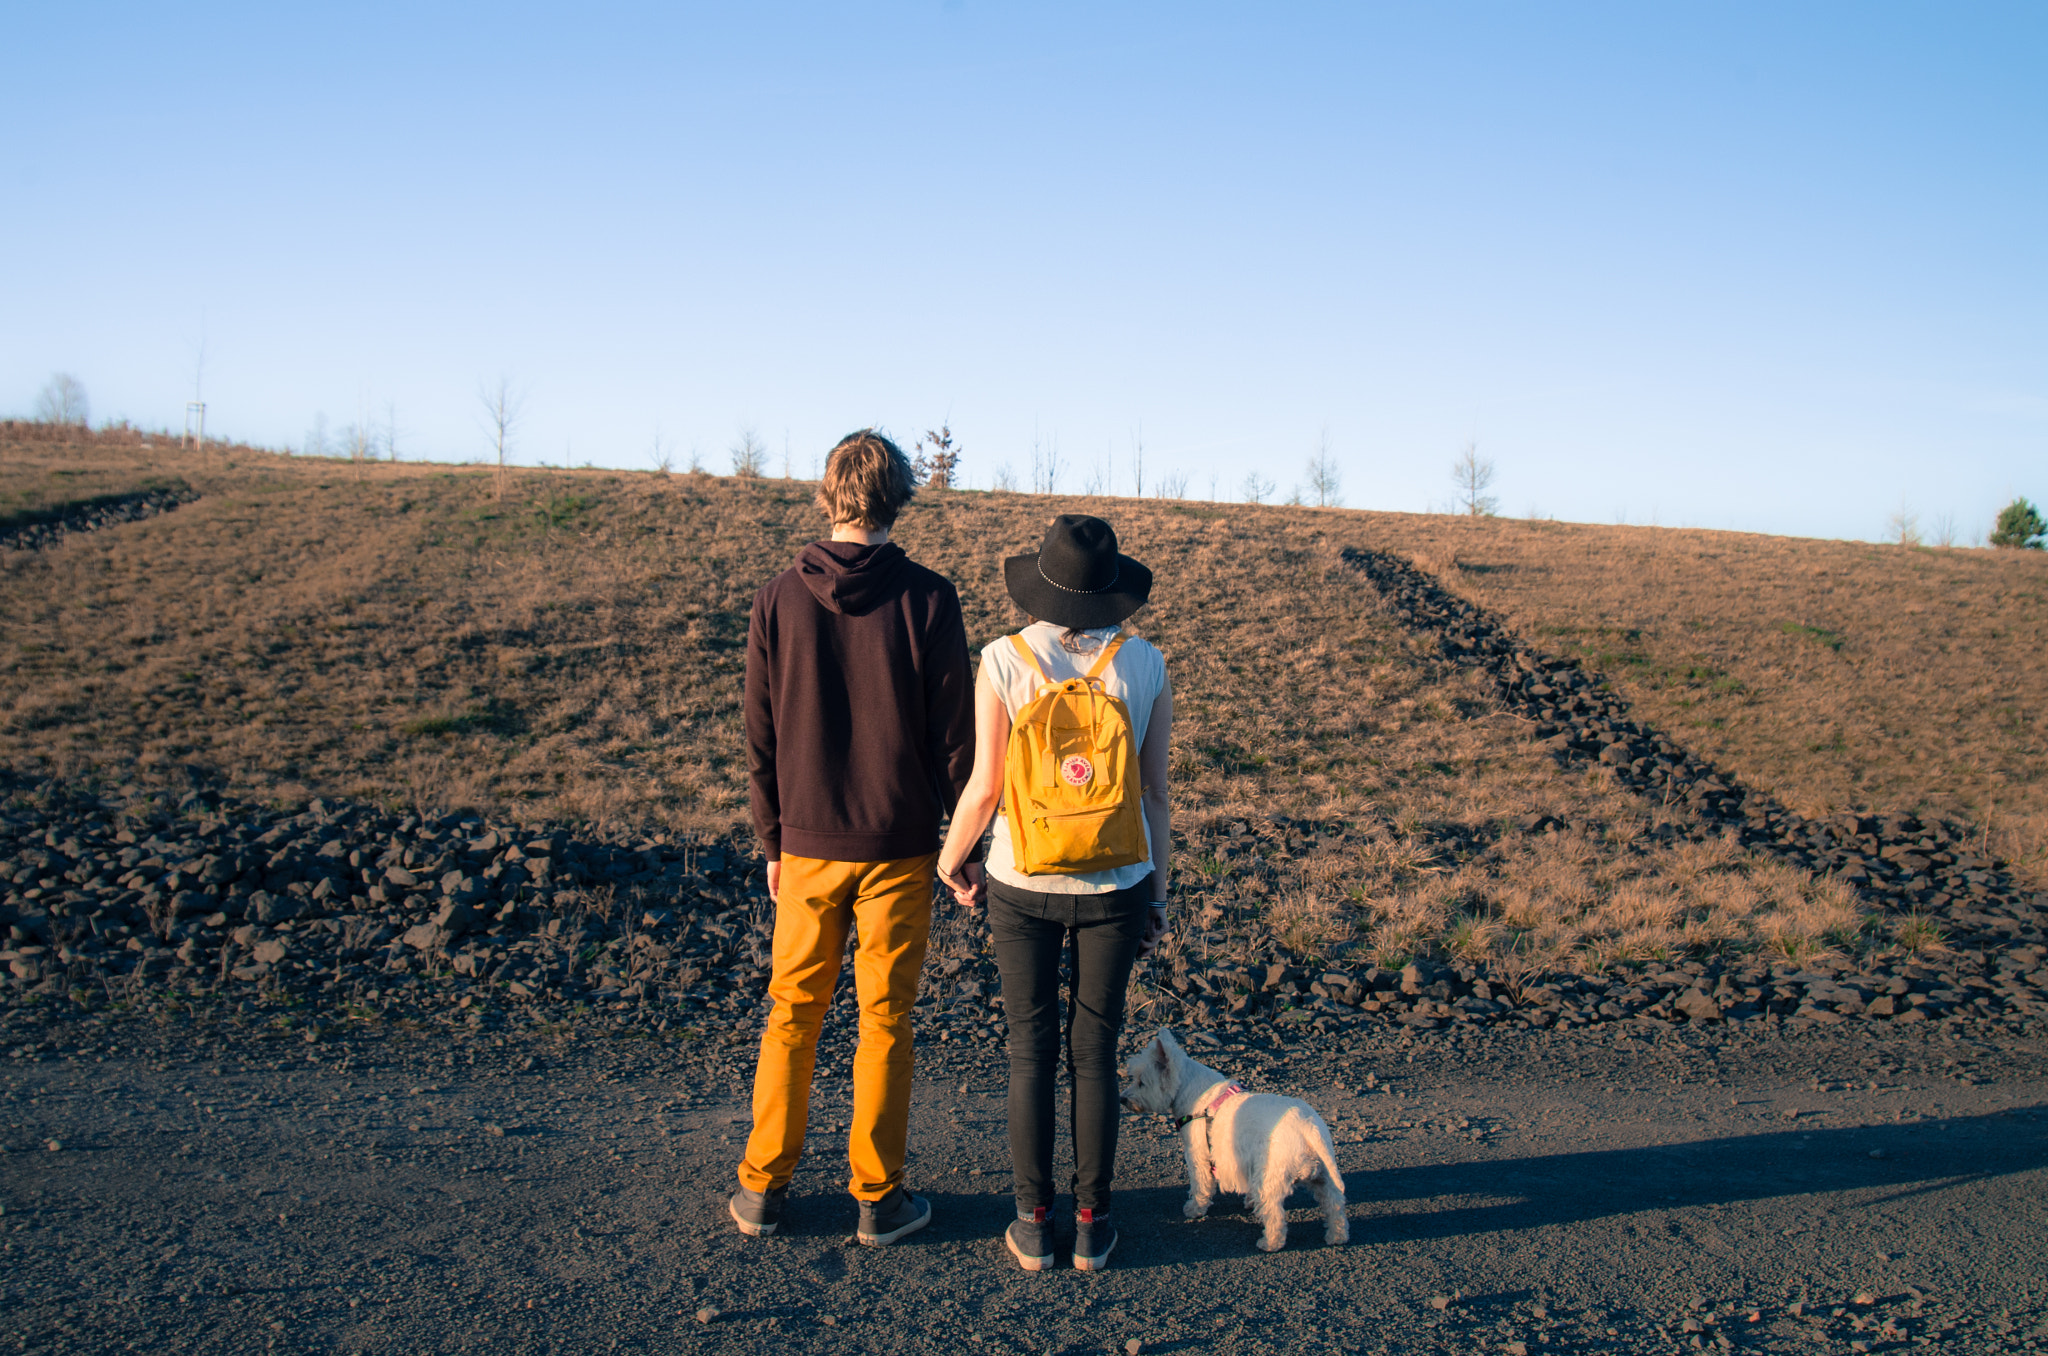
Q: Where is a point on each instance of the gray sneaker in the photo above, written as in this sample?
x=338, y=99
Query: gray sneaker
x=1094, y=1236
x=1030, y=1239
x=896, y=1214
x=757, y=1212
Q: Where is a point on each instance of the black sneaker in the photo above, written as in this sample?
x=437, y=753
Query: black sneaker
x=757, y=1212
x=895, y=1215
x=1094, y=1236
x=1029, y=1239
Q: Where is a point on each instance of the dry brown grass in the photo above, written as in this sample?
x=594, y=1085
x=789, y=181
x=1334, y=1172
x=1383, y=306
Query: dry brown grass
x=49, y=466
x=575, y=652
x=1572, y=899
x=1837, y=675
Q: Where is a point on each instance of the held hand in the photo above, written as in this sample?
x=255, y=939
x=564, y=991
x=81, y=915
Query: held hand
x=775, y=880
x=967, y=884
x=1156, y=928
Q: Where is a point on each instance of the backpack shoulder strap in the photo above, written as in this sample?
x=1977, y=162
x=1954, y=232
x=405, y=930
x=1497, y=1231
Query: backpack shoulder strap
x=1029, y=657
x=1109, y=649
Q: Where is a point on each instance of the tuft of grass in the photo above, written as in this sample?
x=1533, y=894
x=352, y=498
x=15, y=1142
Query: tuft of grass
x=487, y=718
x=559, y=510
x=1917, y=934
x=1819, y=634
x=1471, y=938
x=1309, y=924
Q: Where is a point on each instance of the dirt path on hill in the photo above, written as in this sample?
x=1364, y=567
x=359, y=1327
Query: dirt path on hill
x=1521, y=1192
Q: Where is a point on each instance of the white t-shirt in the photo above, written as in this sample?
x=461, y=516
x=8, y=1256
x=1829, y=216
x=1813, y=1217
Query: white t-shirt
x=1137, y=675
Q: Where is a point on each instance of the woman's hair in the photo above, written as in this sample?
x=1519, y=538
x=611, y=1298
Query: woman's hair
x=867, y=481
x=1072, y=637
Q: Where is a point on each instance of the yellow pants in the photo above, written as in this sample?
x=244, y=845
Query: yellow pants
x=817, y=903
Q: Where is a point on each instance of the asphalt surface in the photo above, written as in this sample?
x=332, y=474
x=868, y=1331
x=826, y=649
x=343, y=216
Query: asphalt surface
x=206, y=1190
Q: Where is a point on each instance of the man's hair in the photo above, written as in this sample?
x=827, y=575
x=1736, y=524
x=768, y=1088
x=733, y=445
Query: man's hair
x=867, y=481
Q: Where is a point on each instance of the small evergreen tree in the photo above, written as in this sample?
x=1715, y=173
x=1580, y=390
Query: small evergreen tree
x=937, y=467
x=2019, y=525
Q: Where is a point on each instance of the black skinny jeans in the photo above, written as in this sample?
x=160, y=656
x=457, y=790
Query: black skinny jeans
x=1098, y=936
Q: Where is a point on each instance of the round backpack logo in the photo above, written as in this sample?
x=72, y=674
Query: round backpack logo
x=1076, y=770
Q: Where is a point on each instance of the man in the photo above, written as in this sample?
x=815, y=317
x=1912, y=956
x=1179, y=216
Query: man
x=860, y=736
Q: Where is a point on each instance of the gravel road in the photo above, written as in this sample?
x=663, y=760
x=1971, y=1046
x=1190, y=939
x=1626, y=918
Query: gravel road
x=219, y=1189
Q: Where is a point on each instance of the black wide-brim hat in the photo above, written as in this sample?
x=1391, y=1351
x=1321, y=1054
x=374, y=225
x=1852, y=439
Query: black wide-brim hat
x=1077, y=577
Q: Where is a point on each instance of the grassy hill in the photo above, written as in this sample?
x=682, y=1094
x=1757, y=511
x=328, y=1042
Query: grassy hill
x=50, y=468
x=572, y=651
x=1842, y=676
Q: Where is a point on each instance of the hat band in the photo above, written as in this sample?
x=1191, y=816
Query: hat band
x=1040, y=562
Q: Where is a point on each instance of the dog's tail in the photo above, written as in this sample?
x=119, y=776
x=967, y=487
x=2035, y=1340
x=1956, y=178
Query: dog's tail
x=1326, y=1150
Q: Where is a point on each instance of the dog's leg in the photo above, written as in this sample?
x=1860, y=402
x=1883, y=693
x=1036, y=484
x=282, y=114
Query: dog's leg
x=1201, y=1174
x=1268, y=1200
x=1330, y=1196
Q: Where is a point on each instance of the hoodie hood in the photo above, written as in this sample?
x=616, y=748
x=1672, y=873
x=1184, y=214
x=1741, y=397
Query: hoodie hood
x=850, y=578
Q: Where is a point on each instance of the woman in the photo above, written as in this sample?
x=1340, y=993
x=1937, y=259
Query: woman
x=1076, y=590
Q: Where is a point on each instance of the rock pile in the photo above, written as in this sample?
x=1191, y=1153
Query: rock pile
x=50, y=527
x=347, y=907
x=1897, y=861
x=1960, y=986
x=368, y=906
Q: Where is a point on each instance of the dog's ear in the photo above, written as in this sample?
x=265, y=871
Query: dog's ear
x=1162, y=1053
x=1167, y=1040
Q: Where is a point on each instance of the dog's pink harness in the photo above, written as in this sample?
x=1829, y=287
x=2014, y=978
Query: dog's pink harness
x=1208, y=1112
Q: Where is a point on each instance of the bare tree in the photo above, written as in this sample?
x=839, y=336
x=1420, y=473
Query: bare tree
x=1173, y=485
x=316, y=436
x=1903, y=527
x=361, y=445
x=1945, y=529
x=1324, y=479
x=62, y=401
x=749, y=454
x=1256, y=487
x=1005, y=479
x=391, y=429
x=502, y=407
x=663, y=454
x=1138, y=463
x=1473, y=475
x=1045, y=466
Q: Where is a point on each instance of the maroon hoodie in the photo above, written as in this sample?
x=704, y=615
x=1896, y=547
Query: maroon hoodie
x=859, y=705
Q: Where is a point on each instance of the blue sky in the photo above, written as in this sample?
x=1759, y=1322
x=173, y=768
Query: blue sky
x=1759, y=266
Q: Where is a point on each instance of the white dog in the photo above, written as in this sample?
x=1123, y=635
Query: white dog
x=1254, y=1143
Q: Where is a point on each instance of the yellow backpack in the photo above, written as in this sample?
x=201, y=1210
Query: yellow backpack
x=1070, y=775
